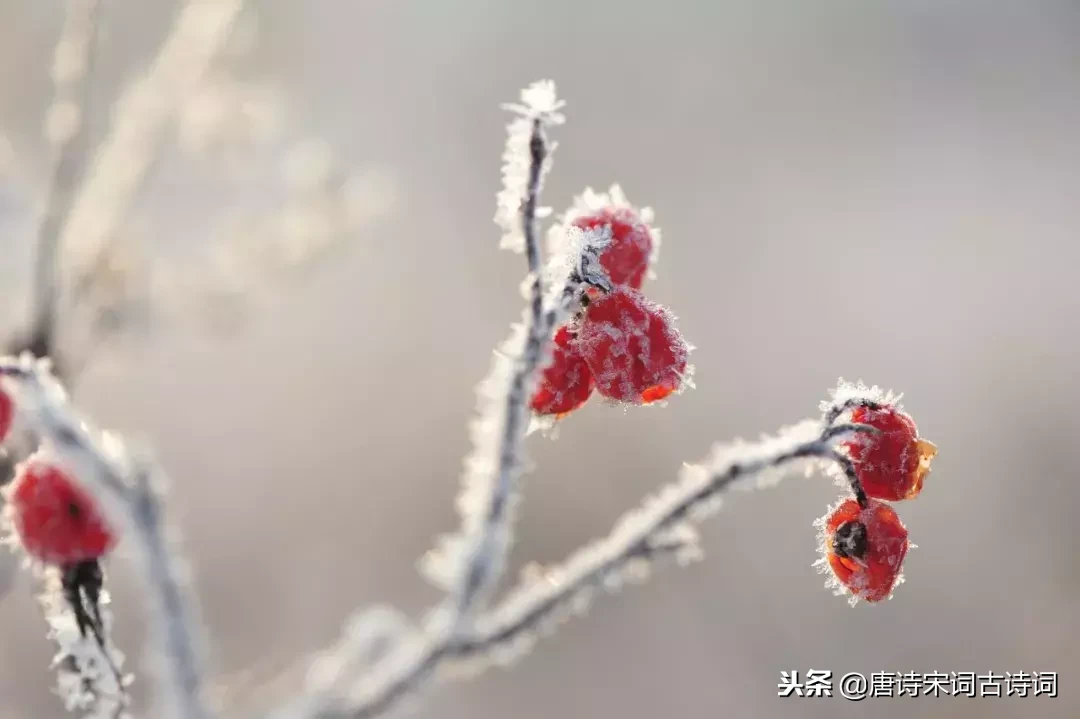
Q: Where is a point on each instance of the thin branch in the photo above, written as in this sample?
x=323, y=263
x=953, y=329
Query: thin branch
x=124, y=485
x=658, y=527
x=636, y=537
x=69, y=132
x=138, y=127
x=485, y=563
x=473, y=560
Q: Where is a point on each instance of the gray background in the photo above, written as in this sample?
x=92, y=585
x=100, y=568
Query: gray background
x=884, y=190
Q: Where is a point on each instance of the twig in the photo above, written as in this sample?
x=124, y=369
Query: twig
x=138, y=127
x=484, y=564
x=638, y=535
x=125, y=486
x=473, y=560
x=72, y=74
x=660, y=526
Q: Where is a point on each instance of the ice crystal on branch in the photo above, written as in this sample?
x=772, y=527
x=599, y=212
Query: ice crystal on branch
x=90, y=680
x=538, y=109
x=593, y=203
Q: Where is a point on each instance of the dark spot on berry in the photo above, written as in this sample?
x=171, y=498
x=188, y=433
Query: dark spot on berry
x=74, y=511
x=850, y=540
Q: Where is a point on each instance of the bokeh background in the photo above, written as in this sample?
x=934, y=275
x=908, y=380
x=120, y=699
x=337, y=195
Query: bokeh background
x=876, y=190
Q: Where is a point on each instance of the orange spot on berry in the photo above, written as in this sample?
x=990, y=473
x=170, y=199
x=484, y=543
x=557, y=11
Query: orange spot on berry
x=656, y=393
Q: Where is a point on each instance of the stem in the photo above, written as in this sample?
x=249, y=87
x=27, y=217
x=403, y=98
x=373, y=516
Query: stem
x=487, y=559
x=81, y=26
x=529, y=604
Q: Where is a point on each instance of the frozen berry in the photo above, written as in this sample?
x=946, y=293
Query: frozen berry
x=864, y=548
x=890, y=465
x=7, y=414
x=626, y=259
x=56, y=520
x=567, y=382
x=632, y=347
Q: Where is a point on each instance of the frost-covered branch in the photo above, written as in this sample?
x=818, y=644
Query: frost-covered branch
x=663, y=524
x=470, y=562
x=486, y=526
x=125, y=485
x=67, y=132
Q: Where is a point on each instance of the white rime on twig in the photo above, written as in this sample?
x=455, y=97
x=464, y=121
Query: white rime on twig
x=469, y=563
x=662, y=525
x=125, y=484
x=89, y=676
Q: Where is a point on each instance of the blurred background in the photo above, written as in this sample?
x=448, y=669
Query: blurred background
x=876, y=190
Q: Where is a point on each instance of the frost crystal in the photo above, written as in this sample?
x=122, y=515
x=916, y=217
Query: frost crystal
x=590, y=202
x=539, y=104
x=846, y=392
x=368, y=636
x=89, y=678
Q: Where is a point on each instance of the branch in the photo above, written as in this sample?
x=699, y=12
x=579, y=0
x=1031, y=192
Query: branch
x=125, y=486
x=491, y=537
x=662, y=524
x=138, y=127
x=469, y=563
x=69, y=133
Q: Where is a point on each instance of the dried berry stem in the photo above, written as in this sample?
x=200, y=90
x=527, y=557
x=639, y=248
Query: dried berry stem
x=833, y=413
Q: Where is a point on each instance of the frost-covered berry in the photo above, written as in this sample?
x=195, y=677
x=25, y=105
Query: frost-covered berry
x=893, y=464
x=626, y=259
x=632, y=347
x=864, y=548
x=7, y=414
x=567, y=382
x=56, y=521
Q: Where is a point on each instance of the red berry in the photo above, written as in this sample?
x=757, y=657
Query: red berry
x=865, y=548
x=567, y=382
x=626, y=259
x=632, y=347
x=56, y=520
x=7, y=414
x=893, y=464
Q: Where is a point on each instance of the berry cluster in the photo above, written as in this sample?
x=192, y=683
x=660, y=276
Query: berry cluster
x=620, y=344
x=58, y=524
x=863, y=541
